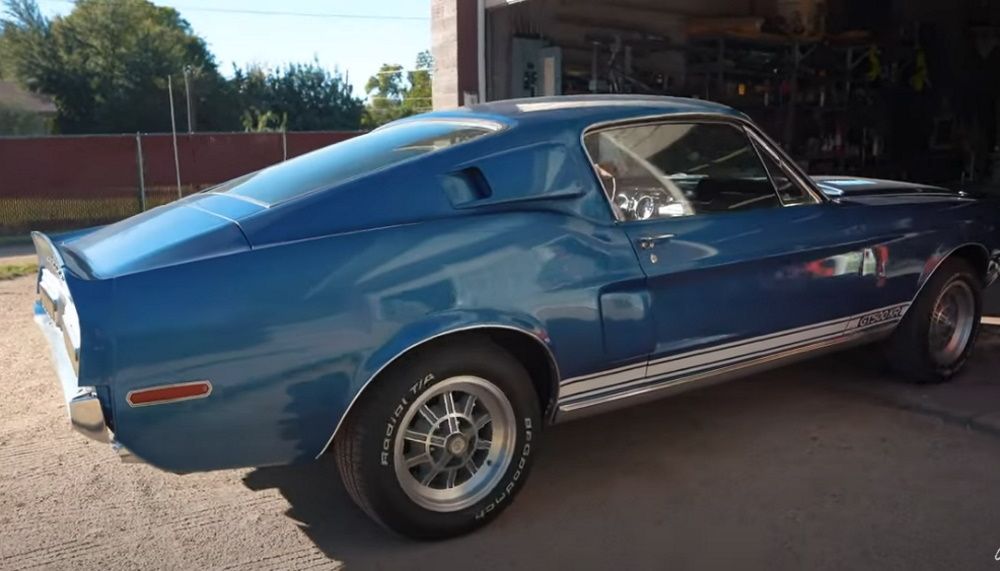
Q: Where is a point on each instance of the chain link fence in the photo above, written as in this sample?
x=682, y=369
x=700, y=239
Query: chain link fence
x=64, y=183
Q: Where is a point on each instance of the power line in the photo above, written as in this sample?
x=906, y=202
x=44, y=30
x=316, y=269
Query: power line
x=428, y=71
x=301, y=14
x=401, y=99
x=245, y=11
x=402, y=71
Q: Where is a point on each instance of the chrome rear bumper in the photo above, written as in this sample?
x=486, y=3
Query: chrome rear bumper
x=86, y=415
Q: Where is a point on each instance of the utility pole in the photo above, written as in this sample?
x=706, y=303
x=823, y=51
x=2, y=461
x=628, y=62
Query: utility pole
x=187, y=93
x=173, y=129
x=142, y=171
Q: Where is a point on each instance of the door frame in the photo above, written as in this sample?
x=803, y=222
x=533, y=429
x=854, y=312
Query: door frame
x=646, y=387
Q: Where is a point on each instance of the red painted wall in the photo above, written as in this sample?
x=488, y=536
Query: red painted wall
x=53, y=183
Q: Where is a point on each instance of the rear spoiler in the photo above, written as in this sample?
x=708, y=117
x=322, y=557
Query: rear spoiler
x=55, y=258
x=49, y=257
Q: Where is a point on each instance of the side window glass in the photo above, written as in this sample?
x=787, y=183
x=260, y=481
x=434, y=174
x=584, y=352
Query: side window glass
x=789, y=191
x=679, y=169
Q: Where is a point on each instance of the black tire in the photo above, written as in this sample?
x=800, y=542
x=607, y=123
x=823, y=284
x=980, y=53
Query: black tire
x=364, y=447
x=908, y=350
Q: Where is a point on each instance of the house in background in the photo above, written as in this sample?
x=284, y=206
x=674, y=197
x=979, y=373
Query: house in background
x=23, y=112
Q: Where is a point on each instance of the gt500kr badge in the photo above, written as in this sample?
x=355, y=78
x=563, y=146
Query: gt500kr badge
x=881, y=316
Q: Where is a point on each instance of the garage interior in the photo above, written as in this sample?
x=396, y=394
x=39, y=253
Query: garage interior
x=902, y=89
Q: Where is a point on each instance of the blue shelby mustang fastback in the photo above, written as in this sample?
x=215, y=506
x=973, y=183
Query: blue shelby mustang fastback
x=422, y=300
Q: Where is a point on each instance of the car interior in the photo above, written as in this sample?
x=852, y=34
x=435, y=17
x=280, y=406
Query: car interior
x=672, y=169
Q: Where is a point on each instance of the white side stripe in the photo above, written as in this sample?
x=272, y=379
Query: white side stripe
x=692, y=362
x=641, y=367
x=577, y=386
x=746, y=349
x=842, y=322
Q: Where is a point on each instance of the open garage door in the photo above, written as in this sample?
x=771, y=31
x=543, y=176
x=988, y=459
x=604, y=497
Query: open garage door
x=898, y=89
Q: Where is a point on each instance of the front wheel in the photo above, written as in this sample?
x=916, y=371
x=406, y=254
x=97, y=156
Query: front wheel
x=442, y=441
x=937, y=336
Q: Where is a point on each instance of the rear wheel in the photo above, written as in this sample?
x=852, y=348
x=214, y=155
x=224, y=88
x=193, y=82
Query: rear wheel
x=442, y=441
x=937, y=336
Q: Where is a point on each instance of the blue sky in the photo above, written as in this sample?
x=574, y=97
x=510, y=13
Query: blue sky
x=357, y=46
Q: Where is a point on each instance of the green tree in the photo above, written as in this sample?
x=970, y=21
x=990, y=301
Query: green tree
x=296, y=97
x=20, y=122
x=418, y=96
x=391, y=97
x=253, y=93
x=6, y=60
x=105, y=65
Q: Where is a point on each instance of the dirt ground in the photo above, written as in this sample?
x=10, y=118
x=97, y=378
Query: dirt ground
x=824, y=465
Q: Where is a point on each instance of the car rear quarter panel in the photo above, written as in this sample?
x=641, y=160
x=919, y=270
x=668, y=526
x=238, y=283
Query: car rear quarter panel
x=289, y=334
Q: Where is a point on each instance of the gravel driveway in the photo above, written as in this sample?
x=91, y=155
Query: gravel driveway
x=807, y=467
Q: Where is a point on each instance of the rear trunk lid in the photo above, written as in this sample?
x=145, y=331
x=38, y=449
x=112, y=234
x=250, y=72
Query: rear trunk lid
x=194, y=228
x=76, y=279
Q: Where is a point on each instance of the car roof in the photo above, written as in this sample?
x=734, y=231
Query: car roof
x=581, y=110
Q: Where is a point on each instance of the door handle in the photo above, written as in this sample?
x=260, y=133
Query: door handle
x=647, y=242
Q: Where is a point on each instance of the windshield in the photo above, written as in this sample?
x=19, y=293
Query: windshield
x=343, y=161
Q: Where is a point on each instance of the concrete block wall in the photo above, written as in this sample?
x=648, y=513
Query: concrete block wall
x=444, y=49
x=455, y=47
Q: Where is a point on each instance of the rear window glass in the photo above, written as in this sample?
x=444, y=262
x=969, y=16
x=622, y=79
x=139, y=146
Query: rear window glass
x=343, y=161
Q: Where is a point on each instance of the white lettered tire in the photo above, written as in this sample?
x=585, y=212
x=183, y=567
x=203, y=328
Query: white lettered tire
x=443, y=439
x=938, y=333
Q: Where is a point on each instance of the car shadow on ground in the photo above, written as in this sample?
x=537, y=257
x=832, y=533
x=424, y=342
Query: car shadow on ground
x=762, y=465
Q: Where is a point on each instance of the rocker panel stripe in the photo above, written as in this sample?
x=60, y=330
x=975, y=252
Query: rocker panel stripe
x=692, y=362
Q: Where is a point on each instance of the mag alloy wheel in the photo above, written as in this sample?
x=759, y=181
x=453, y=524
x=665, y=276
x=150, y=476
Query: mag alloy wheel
x=952, y=323
x=444, y=441
x=456, y=443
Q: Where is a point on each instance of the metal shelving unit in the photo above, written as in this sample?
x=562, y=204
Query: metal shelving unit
x=806, y=91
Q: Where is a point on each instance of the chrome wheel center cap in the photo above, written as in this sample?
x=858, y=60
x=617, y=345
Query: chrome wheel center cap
x=457, y=444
